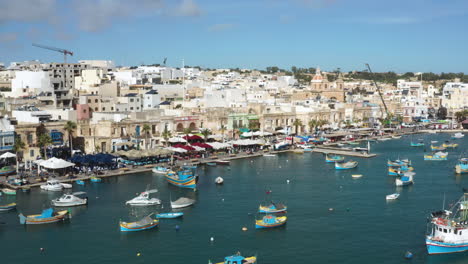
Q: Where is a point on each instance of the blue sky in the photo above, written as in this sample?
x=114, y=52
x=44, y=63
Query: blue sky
x=397, y=35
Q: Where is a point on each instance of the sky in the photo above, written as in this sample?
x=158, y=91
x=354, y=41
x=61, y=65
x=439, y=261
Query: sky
x=390, y=35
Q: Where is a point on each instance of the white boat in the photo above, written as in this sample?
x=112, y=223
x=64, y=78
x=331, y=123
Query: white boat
x=143, y=199
x=52, y=185
x=160, y=170
x=269, y=155
x=392, y=196
x=356, y=176
x=434, y=142
x=219, y=180
x=458, y=135
x=396, y=137
x=182, y=202
x=70, y=200
x=66, y=185
x=406, y=179
x=384, y=139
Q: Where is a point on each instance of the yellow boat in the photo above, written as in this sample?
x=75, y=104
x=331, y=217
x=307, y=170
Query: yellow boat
x=453, y=145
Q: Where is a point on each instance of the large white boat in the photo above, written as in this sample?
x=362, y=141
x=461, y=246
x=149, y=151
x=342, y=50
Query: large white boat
x=458, y=135
x=182, y=202
x=448, y=229
x=406, y=179
x=143, y=199
x=52, y=185
x=160, y=170
x=70, y=200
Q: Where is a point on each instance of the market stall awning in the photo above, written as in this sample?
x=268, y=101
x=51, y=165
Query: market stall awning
x=54, y=163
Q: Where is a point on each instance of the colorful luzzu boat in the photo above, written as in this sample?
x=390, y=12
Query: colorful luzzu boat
x=398, y=162
x=462, y=166
x=272, y=208
x=436, y=156
x=270, y=221
x=143, y=224
x=397, y=171
x=237, y=259
x=333, y=158
x=346, y=165
x=452, y=145
x=184, y=179
x=48, y=216
x=7, y=170
x=95, y=179
x=417, y=144
x=440, y=148
x=8, y=207
x=448, y=229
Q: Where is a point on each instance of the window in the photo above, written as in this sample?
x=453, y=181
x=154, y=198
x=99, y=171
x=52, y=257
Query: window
x=131, y=100
x=103, y=109
x=84, y=111
x=31, y=152
x=131, y=108
x=445, y=230
x=95, y=100
x=138, y=100
x=95, y=108
x=89, y=101
x=138, y=108
x=112, y=108
x=460, y=233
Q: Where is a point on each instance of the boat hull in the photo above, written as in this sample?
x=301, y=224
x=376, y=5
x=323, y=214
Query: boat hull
x=170, y=215
x=34, y=220
x=263, y=226
x=436, y=247
x=125, y=228
x=187, y=183
x=7, y=207
x=80, y=182
x=69, y=204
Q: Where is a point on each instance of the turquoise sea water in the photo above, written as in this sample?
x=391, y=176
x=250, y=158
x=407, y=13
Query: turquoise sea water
x=361, y=228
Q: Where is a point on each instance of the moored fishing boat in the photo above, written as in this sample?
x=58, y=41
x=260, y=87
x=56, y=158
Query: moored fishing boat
x=184, y=179
x=144, y=200
x=9, y=191
x=448, y=229
x=450, y=145
x=143, y=224
x=210, y=164
x=237, y=259
x=436, y=156
x=270, y=221
x=46, y=217
x=434, y=148
x=346, y=165
x=182, y=202
x=333, y=158
x=8, y=207
x=7, y=170
x=384, y=139
x=80, y=182
x=66, y=185
x=222, y=162
x=95, y=179
x=396, y=136
x=52, y=185
x=417, y=144
x=68, y=200
x=406, y=179
x=398, y=162
x=392, y=196
x=462, y=166
x=458, y=135
x=272, y=208
x=356, y=176
x=399, y=170
x=170, y=215
x=160, y=170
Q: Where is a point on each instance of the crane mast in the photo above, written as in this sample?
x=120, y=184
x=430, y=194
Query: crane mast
x=378, y=89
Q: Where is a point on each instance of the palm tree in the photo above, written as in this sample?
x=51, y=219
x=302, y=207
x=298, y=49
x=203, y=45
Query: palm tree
x=43, y=141
x=296, y=124
x=166, y=134
x=222, y=129
x=312, y=125
x=18, y=146
x=234, y=128
x=205, y=132
x=146, y=128
x=321, y=123
x=70, y=126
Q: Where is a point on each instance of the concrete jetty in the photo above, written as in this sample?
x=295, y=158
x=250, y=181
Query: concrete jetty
x=342, y=152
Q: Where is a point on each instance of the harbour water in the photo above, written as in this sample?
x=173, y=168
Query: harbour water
x=361, y=227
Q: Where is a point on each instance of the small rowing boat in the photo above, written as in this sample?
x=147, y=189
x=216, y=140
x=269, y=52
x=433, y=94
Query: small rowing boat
x=182, y=202
x=170, y=215
x=272, y=208
x=8, y=207
x=46, y=217
x=270, y=221
x=356, y=176
x=143, y=224
x=346, y=165
x=219, y=180
x=392, y=196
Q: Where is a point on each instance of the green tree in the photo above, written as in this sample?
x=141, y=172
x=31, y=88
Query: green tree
x=205, y=132
x=70, y=127
x=296, y=125
x=253, y=125
x=18, y=146
x=166, y=134
x=222, y=129
x=146, y=129
x=442, y=113
x=312, y=125
x=186, y=132
x=44, y=141
x=321, y=123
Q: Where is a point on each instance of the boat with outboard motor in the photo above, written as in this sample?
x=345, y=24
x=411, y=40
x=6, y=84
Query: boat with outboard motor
x=346, y=165
x=436, y=156
x=145, y=223
x=333, y=158
x=52, y=185
x=182, y=178
x=398, y=162
x=458, y=135
x=68, y=200
x=182, y=202
x=272, y=208
x=8, y=207
x=46, y=217
x=170, y=215
x=406, y=179
x=462, y=166
x=160, y=170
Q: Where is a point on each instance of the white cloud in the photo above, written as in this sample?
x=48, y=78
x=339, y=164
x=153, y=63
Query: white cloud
x=220, y=27
x=187, y=8
x=28, y=11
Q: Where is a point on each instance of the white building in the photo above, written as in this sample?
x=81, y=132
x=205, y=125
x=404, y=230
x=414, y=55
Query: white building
x=151, y=100
x=107, y=64
x=30, y=83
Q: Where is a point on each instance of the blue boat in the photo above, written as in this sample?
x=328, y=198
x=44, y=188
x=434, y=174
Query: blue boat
x=95, y=179
x=333, y=158
x=183, y=178
x=346, y=165
x=237, y=259
x=417, y=144
x=448, y=229
x=399, y=170
x=211, y=163
x=170, y=215
x=398, y=162
x=273, y=208
x=270, y=221
x=160, y=170
x=80, y=182
x=143, y=224
x=462, y=166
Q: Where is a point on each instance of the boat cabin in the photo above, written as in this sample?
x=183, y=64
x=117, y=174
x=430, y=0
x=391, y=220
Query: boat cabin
x=234, y=260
